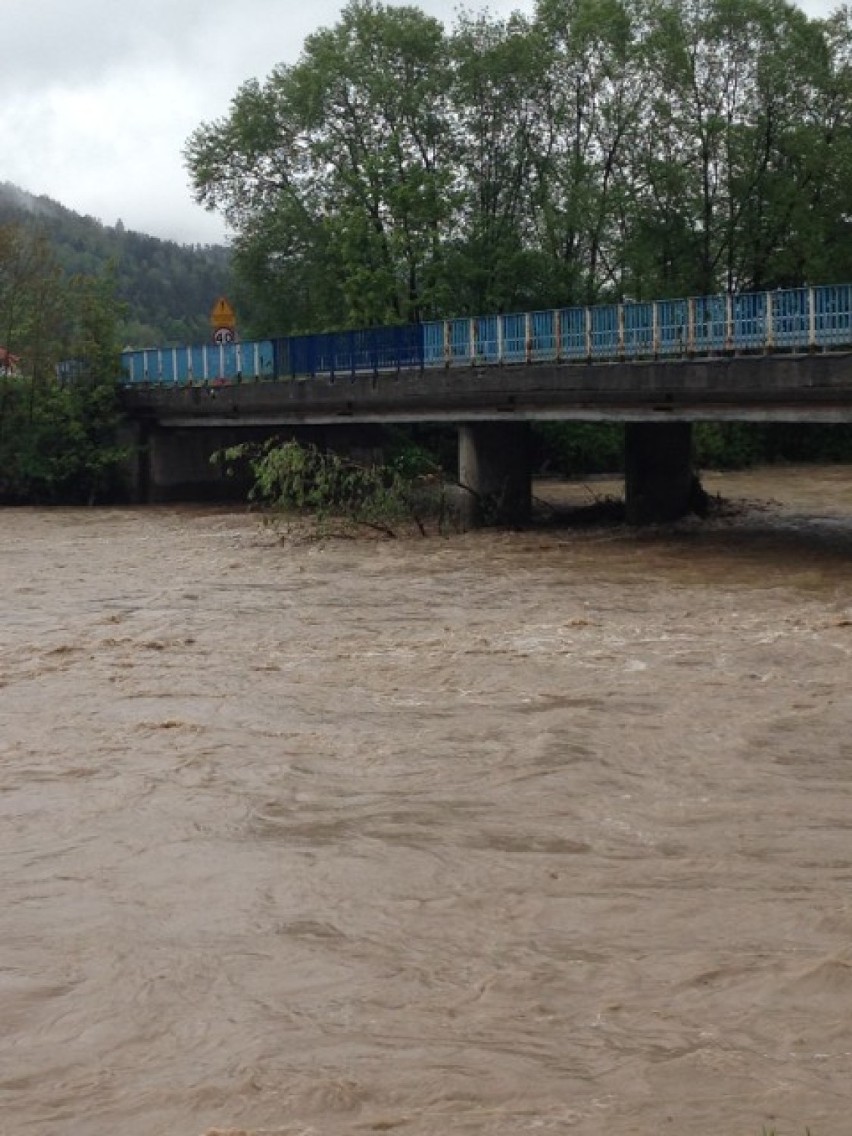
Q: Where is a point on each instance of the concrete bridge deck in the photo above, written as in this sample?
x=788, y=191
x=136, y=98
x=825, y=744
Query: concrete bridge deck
x=766, y=387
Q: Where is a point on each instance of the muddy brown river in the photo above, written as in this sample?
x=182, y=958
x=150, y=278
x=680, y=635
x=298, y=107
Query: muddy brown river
x=498, y=833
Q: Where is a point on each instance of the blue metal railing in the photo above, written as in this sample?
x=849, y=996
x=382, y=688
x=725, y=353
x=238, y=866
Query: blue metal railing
x=795, y=319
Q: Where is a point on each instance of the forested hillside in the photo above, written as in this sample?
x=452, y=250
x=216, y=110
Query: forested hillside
x=167, y=289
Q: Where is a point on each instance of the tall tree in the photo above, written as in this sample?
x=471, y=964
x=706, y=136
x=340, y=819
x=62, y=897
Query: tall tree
x=498, y=76
x=33, y=315
x=734, y=81
x=334, y=171
x=594, y=101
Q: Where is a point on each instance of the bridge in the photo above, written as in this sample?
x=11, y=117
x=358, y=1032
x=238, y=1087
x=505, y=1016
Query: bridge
x=657, y=367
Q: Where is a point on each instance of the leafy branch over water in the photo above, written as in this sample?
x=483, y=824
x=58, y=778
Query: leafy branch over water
x=291, y=477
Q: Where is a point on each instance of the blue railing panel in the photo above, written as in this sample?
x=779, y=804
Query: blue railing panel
x=132, y=367
x=833, y=315
x=172, y=366
x=351, y=352
x=638, y=330
x=458, y=338
x=605, y=332
x=224, y=362
x=672, y=326
x=749, y=311
x=433, y=343
x=710, y=324
x=543, y=345
x=573, y=321
x=791, y=318
x=514, y=338
x=487, y=339
x=264, y=365
x=190, y=366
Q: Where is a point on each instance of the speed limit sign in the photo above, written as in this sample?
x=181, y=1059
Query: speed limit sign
x=223, y=335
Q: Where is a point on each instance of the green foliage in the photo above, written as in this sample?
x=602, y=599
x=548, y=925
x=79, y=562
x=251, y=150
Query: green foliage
x=57, y=440
x=575, y=448
x=291, y=477
x=728, y=445
x=572, y=448
x=421, y=451
x=57, y=444
x=733, y=445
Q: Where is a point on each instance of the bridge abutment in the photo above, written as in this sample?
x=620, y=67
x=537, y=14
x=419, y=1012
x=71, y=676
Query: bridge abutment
x=179, y=465
x=495, y=473
x=659, y=480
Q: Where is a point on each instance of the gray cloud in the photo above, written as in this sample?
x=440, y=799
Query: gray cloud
x=98, y=98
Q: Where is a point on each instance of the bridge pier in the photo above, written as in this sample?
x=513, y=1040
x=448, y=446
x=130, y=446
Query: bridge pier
x=659, y=481
x=495, y=473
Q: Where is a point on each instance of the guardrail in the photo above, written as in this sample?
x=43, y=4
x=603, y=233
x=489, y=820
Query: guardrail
x=795, y=319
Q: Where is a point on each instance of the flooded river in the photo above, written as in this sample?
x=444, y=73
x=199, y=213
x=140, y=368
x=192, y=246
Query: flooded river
x=493, y=834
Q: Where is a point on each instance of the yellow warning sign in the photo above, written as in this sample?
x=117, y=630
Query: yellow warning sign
x=223, y=315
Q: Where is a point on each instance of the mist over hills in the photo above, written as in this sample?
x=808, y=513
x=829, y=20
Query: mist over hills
x=169, y=288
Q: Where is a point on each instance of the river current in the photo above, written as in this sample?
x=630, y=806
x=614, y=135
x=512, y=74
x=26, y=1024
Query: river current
x=488, y=834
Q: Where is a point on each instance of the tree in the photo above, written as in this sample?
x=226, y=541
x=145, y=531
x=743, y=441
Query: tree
x=732, y=151
x=496, y=93
x=32, y=315
x=333, y=174
x=57, y=438
x=595, y=100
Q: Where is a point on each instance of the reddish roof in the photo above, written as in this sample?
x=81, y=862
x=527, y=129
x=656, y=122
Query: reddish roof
x=7, y=359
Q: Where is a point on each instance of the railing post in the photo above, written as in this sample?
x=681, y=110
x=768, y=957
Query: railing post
x=690, y=326
x=557, y=332
x=528, y=336
x=620, y=320
x=729, y=321
x=448, y=344
x=812, y=319
x=471, y=340
x=770, y=323
x=499, y=339
x=655, y=329
x=588, y=332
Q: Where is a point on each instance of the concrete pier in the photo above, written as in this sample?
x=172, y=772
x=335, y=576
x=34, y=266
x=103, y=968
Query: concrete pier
x=659, y=480
x=494, y=472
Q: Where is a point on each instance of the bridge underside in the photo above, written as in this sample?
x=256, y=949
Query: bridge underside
x=180, y=427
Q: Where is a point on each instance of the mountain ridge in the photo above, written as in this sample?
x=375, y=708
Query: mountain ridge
x=168, y=288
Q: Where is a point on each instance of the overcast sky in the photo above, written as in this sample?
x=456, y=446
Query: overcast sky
x=98, y=97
